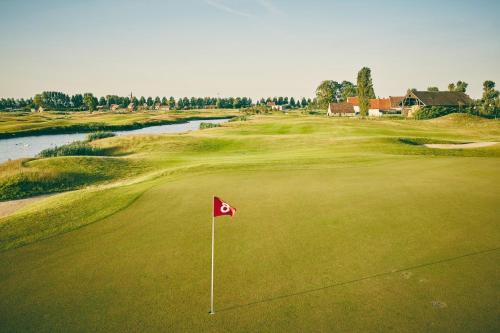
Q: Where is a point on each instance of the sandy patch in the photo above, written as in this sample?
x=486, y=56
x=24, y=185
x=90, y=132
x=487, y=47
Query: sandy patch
x=439, y=305
x=9, y=207
x=460, y=145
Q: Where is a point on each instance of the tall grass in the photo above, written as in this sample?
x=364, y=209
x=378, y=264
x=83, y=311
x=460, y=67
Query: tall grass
x=77, y=148
x=208, y=125
x=99, y=135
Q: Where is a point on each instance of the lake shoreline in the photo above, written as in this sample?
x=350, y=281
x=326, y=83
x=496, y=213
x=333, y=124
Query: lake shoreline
x=92, y=127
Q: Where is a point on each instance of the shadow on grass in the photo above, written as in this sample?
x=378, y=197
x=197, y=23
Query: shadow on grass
x=343, y=283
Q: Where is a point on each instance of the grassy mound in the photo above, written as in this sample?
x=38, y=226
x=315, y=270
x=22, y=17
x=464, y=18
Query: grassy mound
x=77, y=148
x=423, y=141
x=26, y=178
x=458, y=118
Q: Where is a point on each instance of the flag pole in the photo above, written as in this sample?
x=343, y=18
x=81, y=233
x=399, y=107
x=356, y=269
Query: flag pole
x=212, y=275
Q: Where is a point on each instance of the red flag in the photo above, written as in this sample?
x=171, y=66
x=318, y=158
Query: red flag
x=222, y=208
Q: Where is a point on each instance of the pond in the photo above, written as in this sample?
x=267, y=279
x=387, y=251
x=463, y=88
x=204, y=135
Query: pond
x=30, y=146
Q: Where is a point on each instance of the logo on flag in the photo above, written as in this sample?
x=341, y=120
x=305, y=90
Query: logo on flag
x=222, y=208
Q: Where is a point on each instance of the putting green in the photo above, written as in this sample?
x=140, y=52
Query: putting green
x=361, y=235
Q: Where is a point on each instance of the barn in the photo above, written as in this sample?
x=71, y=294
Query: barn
x=414, y=100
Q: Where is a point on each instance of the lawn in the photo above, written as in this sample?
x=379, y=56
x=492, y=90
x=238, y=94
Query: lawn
x=341, y=226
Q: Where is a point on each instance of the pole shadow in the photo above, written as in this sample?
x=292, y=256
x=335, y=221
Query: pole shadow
x=343, y=283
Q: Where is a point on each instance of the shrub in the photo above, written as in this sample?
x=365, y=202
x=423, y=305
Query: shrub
x=99, y=135
x=208, y=125
x=432, y=112
x=77, y=148
x=239, y=118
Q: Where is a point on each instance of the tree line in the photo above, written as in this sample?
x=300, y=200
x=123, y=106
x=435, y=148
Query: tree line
x=54, y=100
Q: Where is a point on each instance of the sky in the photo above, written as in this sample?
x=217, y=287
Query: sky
x=255, y=48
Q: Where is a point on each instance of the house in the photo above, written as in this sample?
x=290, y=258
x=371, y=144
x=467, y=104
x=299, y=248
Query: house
x=164, y=108
x=131, y=107
x=157, y=106
x=114, y=107
x=414, y=100
x=379, y=106
x=340, y=110
x=280, y=107
x=271, y=104
x=396, y=102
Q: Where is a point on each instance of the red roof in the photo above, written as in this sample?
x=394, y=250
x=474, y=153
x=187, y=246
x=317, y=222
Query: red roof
x=395, y=100
x=375, y=103
x=353, y=100
x=341, y=108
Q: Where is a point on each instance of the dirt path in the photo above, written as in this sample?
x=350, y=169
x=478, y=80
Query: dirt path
x=460, y=145
x=9, y=207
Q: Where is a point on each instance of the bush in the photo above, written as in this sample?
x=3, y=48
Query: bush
x=427, y=112
x=239, y=118
x=77, y=148
x=208, y=125
x=99, y=135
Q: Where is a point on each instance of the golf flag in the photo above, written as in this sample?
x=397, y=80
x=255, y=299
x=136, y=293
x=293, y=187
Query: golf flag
x=219, y=208
x=222, y=208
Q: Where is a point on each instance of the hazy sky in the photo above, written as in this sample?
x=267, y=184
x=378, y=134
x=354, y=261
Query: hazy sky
x=243, y=47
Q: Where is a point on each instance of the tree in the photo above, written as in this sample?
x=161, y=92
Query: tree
x=38, y=100
x=490, y=100
x=142, y=101
x=149, y=101
x=365, y=90
x=164, y=101
x=347, y=89
x=89, y=101
x=326, y=93
x=77, y=100
x=460, y=86
x=432, y=89
x=102, y=101
x=292, y=102
x=135, y=101
x=303, y=102
x=180, y=104
x=171, y=102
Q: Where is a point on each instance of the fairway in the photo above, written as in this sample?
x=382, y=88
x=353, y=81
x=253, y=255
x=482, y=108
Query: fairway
x=341, y=226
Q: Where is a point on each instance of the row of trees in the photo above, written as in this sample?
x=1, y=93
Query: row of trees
x=55, y=100
x=299, y=103
x=460, y=86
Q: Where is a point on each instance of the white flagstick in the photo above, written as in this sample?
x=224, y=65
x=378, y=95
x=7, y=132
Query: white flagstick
x=212, y=279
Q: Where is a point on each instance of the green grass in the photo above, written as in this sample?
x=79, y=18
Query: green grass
x=25, y=124
x=26, y=178
x=340, y=227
